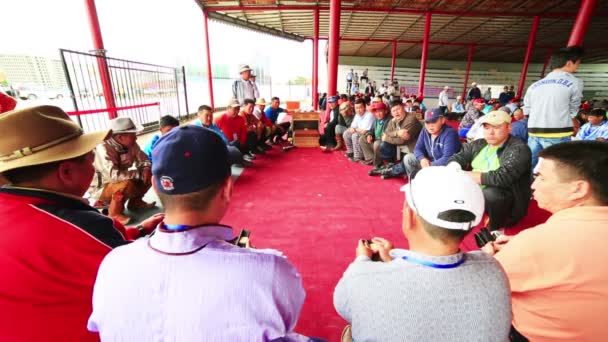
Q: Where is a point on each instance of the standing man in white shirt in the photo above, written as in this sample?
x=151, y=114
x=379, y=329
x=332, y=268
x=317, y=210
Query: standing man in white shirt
x=443, y=101
x=244, y=88
x=189, y=281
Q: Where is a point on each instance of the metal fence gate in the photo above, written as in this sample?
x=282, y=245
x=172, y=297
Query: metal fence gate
x=142, y=91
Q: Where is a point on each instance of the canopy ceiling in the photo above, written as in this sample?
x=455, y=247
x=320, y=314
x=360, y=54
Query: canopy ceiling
x=499, y=28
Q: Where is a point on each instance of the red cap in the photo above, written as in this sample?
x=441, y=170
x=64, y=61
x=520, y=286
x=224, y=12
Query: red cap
x=479, y=101
x=378, y=105
x=585, y=106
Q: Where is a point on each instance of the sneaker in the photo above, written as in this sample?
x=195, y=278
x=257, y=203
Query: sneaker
x=246, y=163
x=366, y=162
x=287, y=148
x=353, y=159
x=375, y=171
x=349, y=155
x=249, y=155
x=388, y=173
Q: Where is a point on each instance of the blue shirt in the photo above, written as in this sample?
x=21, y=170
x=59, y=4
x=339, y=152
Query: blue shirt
x=213, y=127
x=519, y=129
x=273, y=114
x=149, y=147
x=590, y=132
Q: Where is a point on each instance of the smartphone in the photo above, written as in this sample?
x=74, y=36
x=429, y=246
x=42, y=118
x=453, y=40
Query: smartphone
x=243, y=238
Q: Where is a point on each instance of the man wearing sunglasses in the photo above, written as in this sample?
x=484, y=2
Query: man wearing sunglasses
x=433, y=291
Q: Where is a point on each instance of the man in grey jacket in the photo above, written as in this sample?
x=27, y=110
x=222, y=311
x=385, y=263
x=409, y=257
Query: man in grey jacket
x=245, y=88
x=433, y=291
x=553, y=102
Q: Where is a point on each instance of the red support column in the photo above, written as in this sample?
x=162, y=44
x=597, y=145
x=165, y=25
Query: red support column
x=582, y=22
x=104, y=74
x=466, y=74
x=334, y=47
x=209, y=71
x=524, y=70
x=393, y=60
x=425, y=49
x=315, y=62
x=547, y=60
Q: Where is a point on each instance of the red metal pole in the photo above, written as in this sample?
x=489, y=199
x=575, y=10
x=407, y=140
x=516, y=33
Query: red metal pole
x=104, y=74
x=209, y=71
x=582, y=22
x=393, y=61
x=315, y=62
x=547, y=60
x=334, y=47
x=524, y=70
x=466, y=74
x=425, y=49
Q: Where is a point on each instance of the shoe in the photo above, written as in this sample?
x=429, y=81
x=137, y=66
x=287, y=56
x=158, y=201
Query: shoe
x=259, y=150
x=349, y=155
x=287, y=148
x=247, y=158
x=249, y=155
x=375, y=171
x=388, y=173
x=366, y=162
x=325, y=149
x=245, y=163
x=353, y=159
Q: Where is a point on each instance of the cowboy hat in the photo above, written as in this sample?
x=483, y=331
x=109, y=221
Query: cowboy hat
x=243, y=68
x=40, y=135
x=124, y=125
x=260, y=101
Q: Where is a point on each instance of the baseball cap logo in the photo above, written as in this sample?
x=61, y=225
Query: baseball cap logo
x=459, y=201
x=167, y=183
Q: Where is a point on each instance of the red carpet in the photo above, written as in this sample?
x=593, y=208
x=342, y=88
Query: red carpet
x=314, y=207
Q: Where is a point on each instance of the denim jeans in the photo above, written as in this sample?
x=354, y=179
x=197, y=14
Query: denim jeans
x=537, y=144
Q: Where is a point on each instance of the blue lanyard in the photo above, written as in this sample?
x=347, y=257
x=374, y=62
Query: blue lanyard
x=488, y=159
x=175, y=227
x=434, y=265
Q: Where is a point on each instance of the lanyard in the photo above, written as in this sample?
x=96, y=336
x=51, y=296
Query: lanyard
x=489, y=159
x=432, y=264
x=175, y=227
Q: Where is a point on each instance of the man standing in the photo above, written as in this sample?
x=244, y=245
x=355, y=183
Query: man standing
x=433, y=291
x=125, y=170
x=364, y=76
x=198, y=283
x=349, y=80
x=553, y=102
x=443, y=100
x=52, y=240
x=500, y=164
x=559, y=290
x=370, y=142
x=244, y=88
x=505, y=97
x=436, y=144
x=487, y=95
x=474, y=93
x=361, y=124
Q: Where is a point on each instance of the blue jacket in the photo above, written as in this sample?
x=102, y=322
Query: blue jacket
x=213, y=127
x=519, y=129
x=440, y=150
x=150, y=145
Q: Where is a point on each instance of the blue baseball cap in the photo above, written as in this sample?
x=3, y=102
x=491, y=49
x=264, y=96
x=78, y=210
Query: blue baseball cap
x=333, y=99
x=189, y=159
x=433, y=115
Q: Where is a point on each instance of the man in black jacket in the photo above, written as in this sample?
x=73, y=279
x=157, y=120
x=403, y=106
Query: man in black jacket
x=328, y=139
x=501, y=165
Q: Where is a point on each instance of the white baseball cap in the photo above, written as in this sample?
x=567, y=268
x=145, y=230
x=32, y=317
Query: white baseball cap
x=436, y=190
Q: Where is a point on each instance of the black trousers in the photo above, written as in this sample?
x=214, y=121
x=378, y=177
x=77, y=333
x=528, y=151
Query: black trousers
x=329, y=136
x=499, y=205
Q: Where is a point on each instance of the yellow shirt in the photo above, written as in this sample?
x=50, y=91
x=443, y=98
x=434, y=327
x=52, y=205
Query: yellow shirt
x=558, y=273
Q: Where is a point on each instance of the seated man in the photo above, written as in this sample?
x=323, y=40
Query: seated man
x=559, y=291
x=436, y=144
x=328, y=141
x=458, y=106
x=474, y=113
x=269, y=127
x=165, y=124
x=596, y=128
x=402, y=130
x=361, y=124
x=272, y=113
x=520, y=125
x=52, y=240
x=340, y=122
x=205, y=119
x=125, y=170
x=433, y=291
x=370, y=142
x=234, y=128
x=255, y=128
x=501, y=165
x=199, y=284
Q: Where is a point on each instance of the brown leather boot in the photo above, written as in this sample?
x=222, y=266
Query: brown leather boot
x=117, y=208
x=340, y=146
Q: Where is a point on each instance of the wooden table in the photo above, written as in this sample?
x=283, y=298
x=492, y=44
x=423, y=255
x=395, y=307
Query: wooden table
x=306, y=129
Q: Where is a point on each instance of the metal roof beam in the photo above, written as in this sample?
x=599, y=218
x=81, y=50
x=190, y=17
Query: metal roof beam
x=255, y=27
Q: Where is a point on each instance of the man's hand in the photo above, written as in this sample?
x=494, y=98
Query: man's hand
x=364, y=250
x=424, y=162
x=496, y=246
x=370, y=139
x=150, y=223
x=383, y=136
x=384, y=247
x=476, y=176
x=352, y=130
x=147, y=176
x=403, y=134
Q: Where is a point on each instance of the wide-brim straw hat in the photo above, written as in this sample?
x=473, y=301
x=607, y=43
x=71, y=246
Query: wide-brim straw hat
x=243, y=68
x=40, y=135
x=260, y=101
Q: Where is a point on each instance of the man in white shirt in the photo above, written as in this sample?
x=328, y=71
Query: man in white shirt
x=245, y=88
x=362, y=123
x=442, y=103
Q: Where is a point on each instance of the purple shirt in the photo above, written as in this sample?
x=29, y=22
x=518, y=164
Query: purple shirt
x=192, y=286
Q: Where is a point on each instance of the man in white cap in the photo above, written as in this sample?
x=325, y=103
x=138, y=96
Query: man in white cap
x=125, y=170
x=444, y=99
x=433, y=291
x=52, y=240
x=474, y=93
x=245, y=87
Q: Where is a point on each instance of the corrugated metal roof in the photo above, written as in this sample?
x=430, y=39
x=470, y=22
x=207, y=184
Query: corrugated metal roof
x=499, y=27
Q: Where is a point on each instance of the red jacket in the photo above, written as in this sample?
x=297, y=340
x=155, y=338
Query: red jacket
x=232, y=126
x=51, y=246
x=6, y=103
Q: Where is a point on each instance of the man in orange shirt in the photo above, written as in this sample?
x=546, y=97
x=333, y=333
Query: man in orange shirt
x=557, y=270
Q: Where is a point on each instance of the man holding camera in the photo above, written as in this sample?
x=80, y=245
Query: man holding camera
x=556, y=270
x=433, y=291
x=188, y=279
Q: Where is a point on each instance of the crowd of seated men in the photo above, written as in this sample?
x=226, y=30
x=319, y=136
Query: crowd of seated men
x=71, y=273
